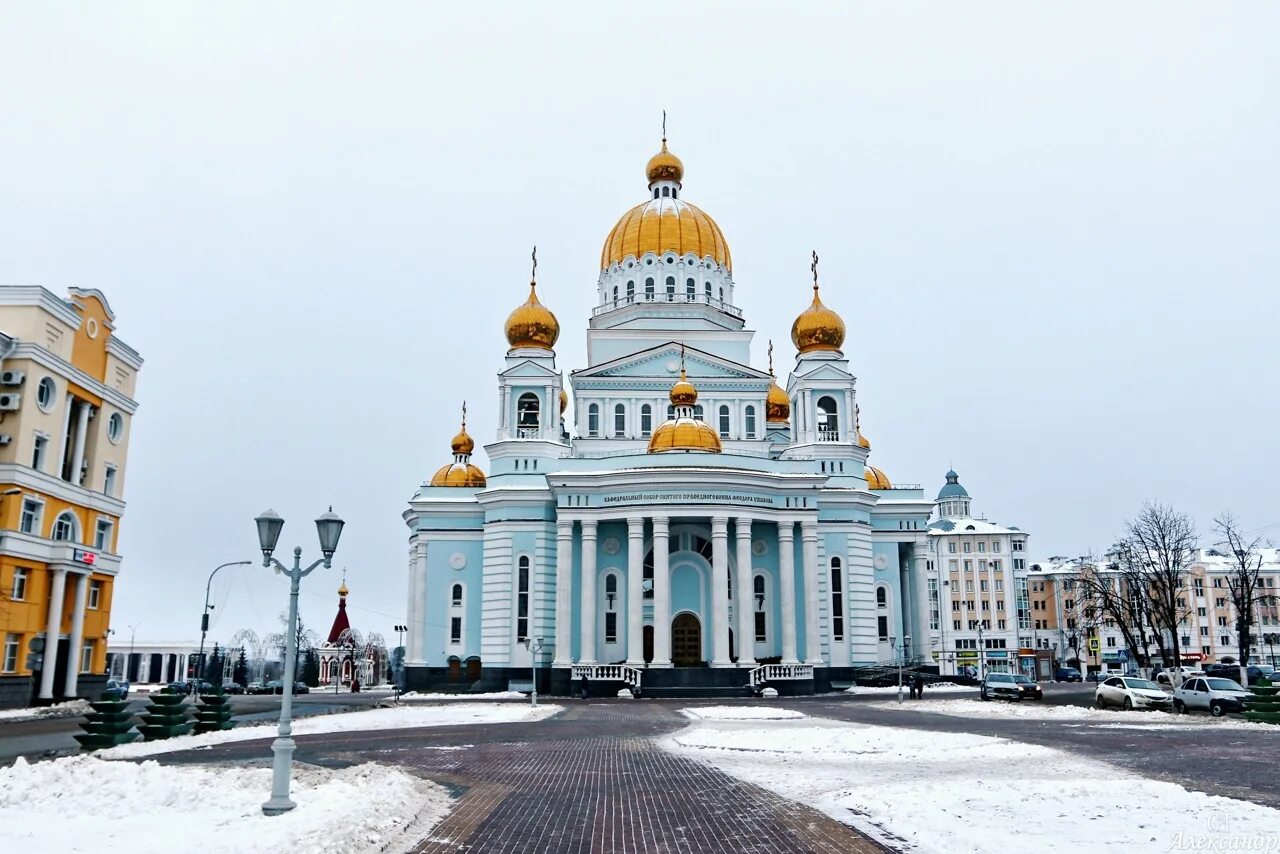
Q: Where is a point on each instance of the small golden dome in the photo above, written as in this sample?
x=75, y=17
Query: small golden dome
x=463, y=443
x=564, y=401
x=876, y=479
x=343, y=591
x=777, y=406
x=532, y=324
x=664, y=166
x=817, y=327
x=683, y=393
x=458, y=474
x=863, y=441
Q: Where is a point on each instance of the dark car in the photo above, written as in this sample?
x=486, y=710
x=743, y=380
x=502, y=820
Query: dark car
x=1256, y=672
x=120, y=687
x=1098, y=676
x=275, y=686
x=301, y=688
x=1068, y=674
x=233, y=688
x=184, y=688
x=1028, y=688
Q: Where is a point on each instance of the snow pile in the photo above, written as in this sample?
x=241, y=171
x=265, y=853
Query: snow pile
x=416, y=697
x=70, y=709
x=1035, y=710
x=741, y=713
x=397, y=717
x=85, y=804
x=946, y=792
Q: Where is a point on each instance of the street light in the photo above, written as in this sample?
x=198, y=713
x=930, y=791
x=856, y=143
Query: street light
x=204, y=615
x=329, y=529
x=534, y=645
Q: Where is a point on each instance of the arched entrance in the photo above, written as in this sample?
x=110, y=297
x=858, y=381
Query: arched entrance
x=473, y=670
x=686, y=641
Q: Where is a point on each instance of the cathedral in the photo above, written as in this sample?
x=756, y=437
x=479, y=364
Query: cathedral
x=703, y=531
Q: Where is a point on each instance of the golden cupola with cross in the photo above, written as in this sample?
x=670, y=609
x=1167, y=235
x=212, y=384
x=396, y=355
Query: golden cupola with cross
x=531, y=324
x=684, y=432
x=818, y=328
x=460, y=472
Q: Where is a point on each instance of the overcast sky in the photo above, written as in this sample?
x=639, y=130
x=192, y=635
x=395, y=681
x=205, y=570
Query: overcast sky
x=1050, y=230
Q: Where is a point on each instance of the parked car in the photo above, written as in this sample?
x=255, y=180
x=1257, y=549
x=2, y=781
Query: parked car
x=1210, y=694
x=301, y=688
x=118, y=686
x=1255, y=672
x=1000, y=686
x=1028, y=687
x=1130, y=692
x=1068, y=674
x=275, y=686
x=1097, y=676
x=1164, y=678
x=256, y=687
x=233, y=687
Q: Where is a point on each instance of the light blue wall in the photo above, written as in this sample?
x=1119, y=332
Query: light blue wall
x=889, y=577
x=440, y=580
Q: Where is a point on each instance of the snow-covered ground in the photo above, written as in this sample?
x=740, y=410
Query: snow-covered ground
x=71, y=709
x=84, y=804
x=415, y=697
x=741, y=713
x=398, y=717
x=951, y=793
x=1030, y=710
x=940, y=688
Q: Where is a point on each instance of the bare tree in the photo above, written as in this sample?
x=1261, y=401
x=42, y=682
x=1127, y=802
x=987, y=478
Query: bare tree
x=1244, y=581
x=1163, y=542
x=1116, y=591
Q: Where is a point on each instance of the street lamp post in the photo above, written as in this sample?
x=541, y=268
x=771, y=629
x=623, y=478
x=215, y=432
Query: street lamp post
x=329, y=529
x=534, y=645
x=204, y=615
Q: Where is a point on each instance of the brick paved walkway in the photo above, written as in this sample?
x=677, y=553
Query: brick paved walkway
x=588, y=780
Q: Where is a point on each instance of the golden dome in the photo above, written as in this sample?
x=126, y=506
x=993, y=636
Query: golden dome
x=343, y=591
x=532, y=324
x=664, y=166
x=817, y=327
x=683, y=393
x=863, y=441
x=564, y=401
x=684, y=434
x=877, y=479
x=777, y=406
x=458, y=474
x=666, y=225
x=463, y=443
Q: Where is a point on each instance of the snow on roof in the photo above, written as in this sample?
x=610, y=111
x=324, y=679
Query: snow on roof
x=969, y=526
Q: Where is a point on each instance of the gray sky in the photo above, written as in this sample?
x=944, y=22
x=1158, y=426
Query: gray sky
x=1051, y=232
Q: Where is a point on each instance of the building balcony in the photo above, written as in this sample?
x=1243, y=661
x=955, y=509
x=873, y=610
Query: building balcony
x=667, y=299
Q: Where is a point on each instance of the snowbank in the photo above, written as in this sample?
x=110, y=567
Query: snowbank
x=940, y=688
x=740, y=713
x=415, y=697
x=1034, y=710
x=70, y=709
x=85, y=804
x=948, y=793
x=397, y=717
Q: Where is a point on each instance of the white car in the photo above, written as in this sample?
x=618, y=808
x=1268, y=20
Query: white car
x=1165, y=677
x=1210, y=694
x=1130, y=692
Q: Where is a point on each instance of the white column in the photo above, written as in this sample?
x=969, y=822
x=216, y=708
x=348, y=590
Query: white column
x=787, y=588
x=564, y=595
x=82, y=429
x=661, y=593
x=812, y=634
x=62, y=439
x=635, y=591
x=77, y=636
x=922, y=647
x=53, y=628
x=418, y=584
x=720, y=592
x=587, y=655
x=746, y=633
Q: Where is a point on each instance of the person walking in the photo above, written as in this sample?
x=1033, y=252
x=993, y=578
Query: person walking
x=920, y=689
x=583, y=688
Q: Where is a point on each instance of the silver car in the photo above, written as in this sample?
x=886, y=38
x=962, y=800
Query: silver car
x=1210, y=694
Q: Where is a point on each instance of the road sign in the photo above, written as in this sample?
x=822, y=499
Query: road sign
x=1095, y=644
x=1122, y=655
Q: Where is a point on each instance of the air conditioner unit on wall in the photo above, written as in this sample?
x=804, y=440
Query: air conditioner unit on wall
x=12, y=377
x=9, y=401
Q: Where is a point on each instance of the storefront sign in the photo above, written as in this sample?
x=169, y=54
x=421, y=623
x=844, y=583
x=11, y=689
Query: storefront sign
x=967, y=655
x=997, y=653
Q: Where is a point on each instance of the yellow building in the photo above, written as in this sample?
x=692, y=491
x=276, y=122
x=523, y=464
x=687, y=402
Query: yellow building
x=66, y=410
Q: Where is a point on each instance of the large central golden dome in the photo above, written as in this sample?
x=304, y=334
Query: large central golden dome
x=666, y=223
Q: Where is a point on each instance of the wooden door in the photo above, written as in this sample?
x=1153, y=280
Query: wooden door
x=473, y=670
x=455, y=670
x=686, y=641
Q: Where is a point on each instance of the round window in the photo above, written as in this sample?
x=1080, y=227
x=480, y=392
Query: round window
x=45, y=393
x=115, y=427
x=91, y=328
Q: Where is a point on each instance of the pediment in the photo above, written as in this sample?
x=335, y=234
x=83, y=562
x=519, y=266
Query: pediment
x=821, y=372
x=528, y=368
x=663, y=362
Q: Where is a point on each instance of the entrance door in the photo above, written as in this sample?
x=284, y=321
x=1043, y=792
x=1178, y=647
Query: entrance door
x=648, y=644
x=473, y=670
x=686, y=641
x=455, y=670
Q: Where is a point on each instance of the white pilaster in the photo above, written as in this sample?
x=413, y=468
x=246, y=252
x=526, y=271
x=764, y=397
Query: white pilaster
x=920, y=578
x=77, y=636
x=746, y=634
x=587, y=655
x=812, y=635
x=635, y=591
x=82, y=429
x=720, y=592
x=53, y=628
x=564, y=595
x=661, y=593
x=418, y=588
x=787, y=588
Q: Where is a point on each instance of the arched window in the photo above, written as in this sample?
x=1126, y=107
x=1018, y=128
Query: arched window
x=697, y=411
x=66, y=527
x=522, y=598
x=671, y=412
x=631, y=291
x=837, y=600
x=690, y=289
x=666, y=192
x=528, y=410
x=456, y=596
x=611, y=610
x=646, y=420
x=724, y=422
x=655, y=192
x=648, y=288
x=882, y=597
x=750, y=417
x=615, y=293
x=761, y=620
x=671, y=288
x=593, y=420
x=828, y=420
x=707, y=289
x=722, y=293
x=619, y=421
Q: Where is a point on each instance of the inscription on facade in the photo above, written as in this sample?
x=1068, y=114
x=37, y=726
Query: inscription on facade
x=674, y=497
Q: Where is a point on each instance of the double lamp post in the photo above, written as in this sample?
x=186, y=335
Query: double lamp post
x=329, y=528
